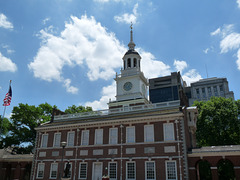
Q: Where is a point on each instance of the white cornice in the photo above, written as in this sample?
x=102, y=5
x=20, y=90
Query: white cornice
x=167, y=116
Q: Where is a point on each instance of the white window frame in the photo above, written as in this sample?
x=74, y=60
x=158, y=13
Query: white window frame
x=98, y=136
x=127, y=178
x=149, y=137
x=146, y=170
x=39, y=169
x=55, y=142
x=128, y=138
x=44, y=144
x=70, y=170
x=85, y=137
x=109, y=169
x=93, y=168
x=51, y=170
x=167, y=127
x=166, y=168
x=113, y=139
x=68, y=140
x=80, y=165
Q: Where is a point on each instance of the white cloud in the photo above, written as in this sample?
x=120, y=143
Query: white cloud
x=6, y=64
x=105, y=1
x=238, y=60
x=206, y=50
x=216, y=32
x=9, y=51
x=238, y=2
x=152, y=67
x=83, y=41
x=107, y=93
x=180, y=65
x=4, y=22
x=230, y=42
x=45, y=20
x=191, y=76
x=70, y=89
x=128, y=18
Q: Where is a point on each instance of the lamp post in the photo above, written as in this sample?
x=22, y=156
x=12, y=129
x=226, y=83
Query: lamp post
x=63, y=145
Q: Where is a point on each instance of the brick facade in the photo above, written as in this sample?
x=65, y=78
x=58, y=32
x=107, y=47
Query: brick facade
x=159, y=151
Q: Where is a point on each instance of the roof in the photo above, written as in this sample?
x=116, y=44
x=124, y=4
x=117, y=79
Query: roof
x=8, y=155
x=131, y=51
x=114, y=115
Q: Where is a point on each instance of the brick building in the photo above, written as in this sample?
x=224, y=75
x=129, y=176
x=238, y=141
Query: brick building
x=14, y=166
x=133, y=139
x=150, y=141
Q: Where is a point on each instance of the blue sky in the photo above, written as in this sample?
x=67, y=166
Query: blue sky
x=67, y=52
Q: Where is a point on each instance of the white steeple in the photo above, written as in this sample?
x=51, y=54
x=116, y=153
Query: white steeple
x=131, y=83
x=131, y=44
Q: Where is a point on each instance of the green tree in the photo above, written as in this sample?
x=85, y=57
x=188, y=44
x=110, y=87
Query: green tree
x=24, y=119
x=218, y=122
x=77, y=109
x=5, y=124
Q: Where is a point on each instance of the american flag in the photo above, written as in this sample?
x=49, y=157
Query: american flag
x=8, y=97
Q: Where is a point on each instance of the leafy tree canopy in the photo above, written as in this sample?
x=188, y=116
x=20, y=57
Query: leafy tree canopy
x=5, y=124
x=23, y=121
x=218, y=122
x=25, y=118
x=77, y=109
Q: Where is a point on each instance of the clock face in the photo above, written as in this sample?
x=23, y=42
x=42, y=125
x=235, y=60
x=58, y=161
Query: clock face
x=127, y=86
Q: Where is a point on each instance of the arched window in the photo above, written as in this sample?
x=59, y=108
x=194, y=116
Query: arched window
x=129, y=63
x=225, y=170
x=134, y=62
x=204, y=170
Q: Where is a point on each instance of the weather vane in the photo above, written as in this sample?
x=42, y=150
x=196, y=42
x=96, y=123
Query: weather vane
x=131, y=25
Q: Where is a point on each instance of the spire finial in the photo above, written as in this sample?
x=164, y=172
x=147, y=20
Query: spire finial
x=131, y=44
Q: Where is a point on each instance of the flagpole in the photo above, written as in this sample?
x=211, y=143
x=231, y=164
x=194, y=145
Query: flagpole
x=4, y=114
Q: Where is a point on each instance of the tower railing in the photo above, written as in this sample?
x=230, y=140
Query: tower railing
x=117, y=110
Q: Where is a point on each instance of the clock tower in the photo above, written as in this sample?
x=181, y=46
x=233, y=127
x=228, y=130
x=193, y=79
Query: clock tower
x=132, y=85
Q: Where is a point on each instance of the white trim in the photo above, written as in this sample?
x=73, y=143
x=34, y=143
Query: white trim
x=112, y=162
x=54, y=139
x=128, y=162
x=73, y=138
x=166, y=168
x=46, y=135
x=112, y=138
x=167, y=127
x=94, y=169
x=37, y=177
x=127, y=135
x=158, y=118
x=86, y=133
x=96, y=137
x=147, y=131
x=80, y=169
x=146, y=170
x=50, y=175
